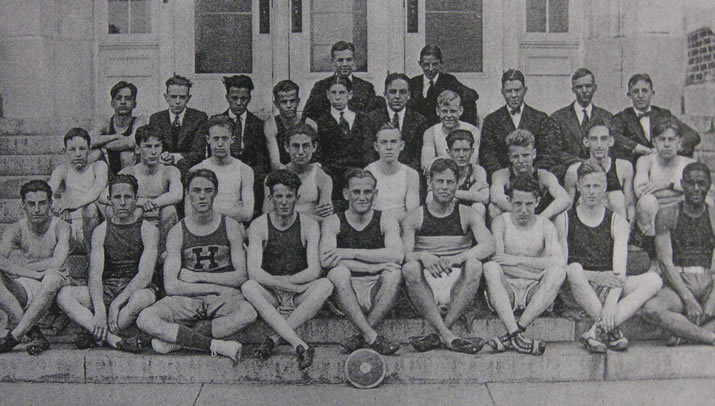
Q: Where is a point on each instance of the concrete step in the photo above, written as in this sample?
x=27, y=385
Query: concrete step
x=10, y=185
x=44, y=126
x=562, y=362
x=10, y=210
x=29, y=164
x=30, y=144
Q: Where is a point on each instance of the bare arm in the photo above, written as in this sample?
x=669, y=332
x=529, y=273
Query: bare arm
x=428, y=150
x=311, y=233
x=485, y=241
x=59, y=254
x=98, y=187
x=642, y=178
x=56, y=179
x=244, y=210
x=7, y=266
x=412, y=198
x=498, y=194
x=325, y=193
x=620, y=232
x=96, y=269
x=393, y=245
x=125, y=143
x=172, y=266
x=479, y=191
x=561, y=202
x=257, y=234
x=628, y=193
x=570, y=182
x=236, y=277
x=270, y=131
x=664, y=250
x=552, y=251
x=175, y=192
x=498, y=227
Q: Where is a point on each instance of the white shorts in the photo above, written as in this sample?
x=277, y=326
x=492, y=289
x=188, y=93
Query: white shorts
x=363, y=286
x=521, y=289
x=32, y=288
x=442, y=286
x=285, y=301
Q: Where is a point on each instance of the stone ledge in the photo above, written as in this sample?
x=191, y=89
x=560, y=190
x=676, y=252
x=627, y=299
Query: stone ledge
x=656, y=361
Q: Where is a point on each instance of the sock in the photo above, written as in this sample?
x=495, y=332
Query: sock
x=188, y=338
x=521, y=328
x=203, y=327
x=35, y=332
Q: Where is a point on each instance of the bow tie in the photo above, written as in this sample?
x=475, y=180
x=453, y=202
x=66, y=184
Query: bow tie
x=515, y=111
x=641, y=115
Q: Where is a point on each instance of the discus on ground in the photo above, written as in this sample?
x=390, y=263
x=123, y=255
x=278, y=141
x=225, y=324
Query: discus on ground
x=365, y=368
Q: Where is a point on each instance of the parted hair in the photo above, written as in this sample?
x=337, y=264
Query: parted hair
x=145, y=132
x=520, y=138
x=588, y=167
x=391, y=77
x=178, y=80
x=285, y=86
x=696, y=166
x=442, y=164
x=597, y=122
x=301, y=128
x=238, y=81
x=124, y=178
x=524, y=183
x=386, y=126
x=220, y=120
x=512, y=74
x=358, y=173
x=121, y=85
x=341, y=46
x=580, y=73
x=35, y=185
x=447, y=96
x=432, y=50
x=637, y=78
x=201, y=173
x=664, y=122
x=339, y=80
x=282, y=177
x=77, y=132
x=459, y=135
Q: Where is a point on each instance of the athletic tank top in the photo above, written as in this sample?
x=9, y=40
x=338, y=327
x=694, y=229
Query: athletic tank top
x=369, y=238
x=441, y=226
x=284, y=253
x=524, y=242
x=392, y=188
x=308, y=191
x=692, y=239
x=206, y=253
x=592, y=247
x=229, y=183
x=668, y=197
x=612, y=181
x=443, y=236
x=468, y=181
x=78, y=184
x=35, y=247
x=114, y=158
x=123, y=248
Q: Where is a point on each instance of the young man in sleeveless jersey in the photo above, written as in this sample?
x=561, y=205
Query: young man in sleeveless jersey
x=204, y=268
x=29, y=281
x=445, y=244
x=620, y=197
x=597, y=255
x=284, y=268
x=121, y=266
x=473, y=186
x=78, y=184
x=685, y=240
x=399, y=185
x=527, y=270
x=362, y=249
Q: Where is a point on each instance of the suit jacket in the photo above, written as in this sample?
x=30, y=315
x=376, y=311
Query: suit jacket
x=628, y=133
x=413, y=129
x=493, y=153
x=427, y=105
x=255, y=151
x=336, y=151
x=363, y=99
x=569, y=146
x=190, y=143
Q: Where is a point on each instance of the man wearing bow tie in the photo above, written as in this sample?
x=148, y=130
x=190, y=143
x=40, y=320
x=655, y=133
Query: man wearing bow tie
x=493, y=153
x=632, y=127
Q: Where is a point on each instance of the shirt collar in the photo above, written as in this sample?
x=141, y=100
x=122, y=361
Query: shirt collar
x=579, y=109
x=347, y=114
x=400, y=113
x=642, y=112
x=232, y=115
x=181, y=115
x=426, y=80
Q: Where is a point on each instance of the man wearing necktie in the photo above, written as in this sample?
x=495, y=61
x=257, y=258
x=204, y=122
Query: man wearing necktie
x=515, y=114
x=573, y=121
x=632, y=127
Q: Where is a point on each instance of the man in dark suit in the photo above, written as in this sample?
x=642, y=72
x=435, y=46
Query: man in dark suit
x=493, y=153
x=632, y=127
x=426, y=87
x=411, y=124
x=249, y=141
x=573, y=121
x=363, y=100
x=180, y=126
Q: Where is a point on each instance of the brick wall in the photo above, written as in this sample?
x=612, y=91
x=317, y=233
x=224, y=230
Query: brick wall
x=701, y=56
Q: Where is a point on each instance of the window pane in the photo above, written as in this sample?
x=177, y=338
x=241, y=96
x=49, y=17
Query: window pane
x=535, y=15
x=224, y=42
x=118, y=16
x=223, y=6
x=335, y=20
x=558, y=15
x=140, y=12
x=461, y=49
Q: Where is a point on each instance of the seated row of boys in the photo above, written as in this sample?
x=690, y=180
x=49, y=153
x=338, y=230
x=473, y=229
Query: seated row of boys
x=205, y=264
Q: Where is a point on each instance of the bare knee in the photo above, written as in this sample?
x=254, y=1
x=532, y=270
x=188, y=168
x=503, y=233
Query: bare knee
x=412, y=272
x=64, y=297
x=322, y=287
x=251, y=289
x=391, y=277
x=575, y=274
x=480, y=209
x=472, y=270
x=652, y=282
x=494, y=210
x=493, y=272
x=339, y=275
x=52, y=282
x=653, y=309
x=141, y=299
x=647, y=204
x=555, y=275
x=147, y=320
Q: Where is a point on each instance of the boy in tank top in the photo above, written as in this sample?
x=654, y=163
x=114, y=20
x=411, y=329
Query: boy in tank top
x=285, y=285
x=121, y=267
x=362, y=250
x=597, y=256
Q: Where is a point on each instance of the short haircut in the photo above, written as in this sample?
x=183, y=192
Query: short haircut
x=697, y=166
x=77, y=132
x=432, y=50
x=220, y=120
x=391, y=77
x=285, y=86
x=178, y=80
x=339, y=80
x=341, y=46
x=387, y=126
x=459, y=135
x=238, y=81
x=597, y=122
x=588, y=167
x=145, y=132
x=124, y=85
x=637, y=78
x=447, y=96
x=35, y=185
x=357, y=173
x=524, y=183
x=512, y=74
x=201, y=173
x=301, y=128
x=442, y=164
x=124, y=178
x=283, y=177
x=520, y=138
x=581, y=73
x=664, y=122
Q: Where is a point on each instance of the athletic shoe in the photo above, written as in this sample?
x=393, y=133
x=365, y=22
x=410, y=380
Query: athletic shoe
x=593, y=343
x=230, y=349
x=7, y=343
x=38, y=342
x=84, y=341
x=526, y=345
x=354, y=342
x=674, y=341
x=425, y=343
x=616, y=340
x=500, y=344
x=163, y=347
x=265, y=349
x=130, y=344
x=305, y=356
x=465, y=346
x=384, y=346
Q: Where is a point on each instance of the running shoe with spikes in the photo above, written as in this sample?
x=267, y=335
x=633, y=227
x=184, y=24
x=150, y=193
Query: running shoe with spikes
x=352, y=343
x=130, y=344
x=526, y=345
x=38, y=342
x=616, y=340
x=305, y=356
x=163, y=347
x=501, y=343
x=384, y=346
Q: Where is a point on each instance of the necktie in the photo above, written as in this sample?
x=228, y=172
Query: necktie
x=584, y=121
x=237, y=146
x=515, y=111
x=430, y=89
x=396, y=121
x=175, y=129
x=177, y=122
x=641, y=115
x=344, y=125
